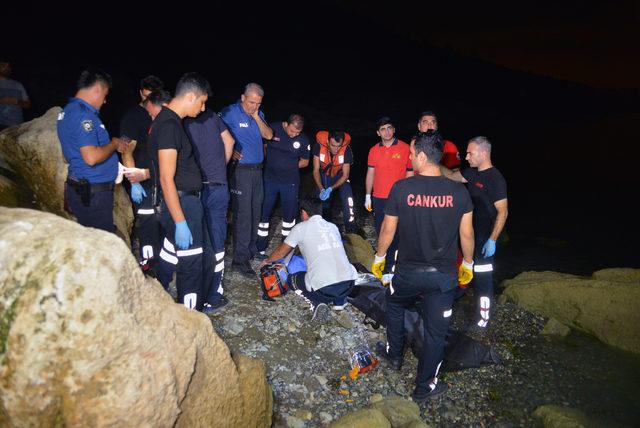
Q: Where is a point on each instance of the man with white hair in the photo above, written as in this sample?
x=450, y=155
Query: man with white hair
x=248, y=127
x=488, y=190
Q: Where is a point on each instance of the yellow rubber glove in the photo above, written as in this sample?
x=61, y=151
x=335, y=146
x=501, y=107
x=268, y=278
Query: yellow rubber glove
x=378, y=266
x=465, y=272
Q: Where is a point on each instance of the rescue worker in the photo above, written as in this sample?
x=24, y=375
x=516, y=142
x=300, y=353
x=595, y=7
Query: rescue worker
x=93, y=164
x=248, y=127
x=430, y=213
x=329, y=277
x=388, y=162
x=332, y=159
x=287, y=152
x=135, y=125
x=177, y=184
x=450, y=154
x=488, y=190
x=213, y=147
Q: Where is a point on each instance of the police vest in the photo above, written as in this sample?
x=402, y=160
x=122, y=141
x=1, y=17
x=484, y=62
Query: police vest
x=330, y=164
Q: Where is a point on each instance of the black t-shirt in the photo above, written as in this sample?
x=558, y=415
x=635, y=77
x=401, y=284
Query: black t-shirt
x=283, y=154
x=135, y=124
x=208, y=147
x=429, y=210
x=167, y=133
x=485, y=187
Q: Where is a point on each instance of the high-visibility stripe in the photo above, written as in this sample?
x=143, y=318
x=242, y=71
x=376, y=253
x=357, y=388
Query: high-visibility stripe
x=190, y=300
x=219, y=256
x=485, y=302
x=263, y=225
x=289, y=225
x=447, y=313
x=219, y=267
x=147, y=252
x=146, y=211
x=168, y=257
x=351, y=219
x=262, y=232
x=482, y=323
x=285, y=232
x=168, y=246
x=191, y=252
x=350, y=201
x=483, y=268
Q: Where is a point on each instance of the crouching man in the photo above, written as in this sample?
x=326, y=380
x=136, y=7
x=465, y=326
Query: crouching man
x=329, y=277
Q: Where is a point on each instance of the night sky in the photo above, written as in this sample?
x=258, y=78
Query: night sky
x=555, y=87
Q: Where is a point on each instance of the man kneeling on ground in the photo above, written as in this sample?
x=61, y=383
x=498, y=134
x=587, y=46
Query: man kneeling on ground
x=329, y=277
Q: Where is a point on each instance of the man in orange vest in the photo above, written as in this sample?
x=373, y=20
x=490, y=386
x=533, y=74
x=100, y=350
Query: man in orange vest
x=332, y=159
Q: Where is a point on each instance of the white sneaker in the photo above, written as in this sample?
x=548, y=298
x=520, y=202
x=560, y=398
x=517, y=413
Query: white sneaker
x=339, y=307
x=386, y=279
x=321, y=314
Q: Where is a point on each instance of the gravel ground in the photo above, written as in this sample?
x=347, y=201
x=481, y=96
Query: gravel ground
x=308, y=365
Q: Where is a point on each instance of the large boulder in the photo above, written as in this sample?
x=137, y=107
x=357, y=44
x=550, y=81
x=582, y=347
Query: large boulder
x=553, y=416
x=87, y=340
x=604, y=305
x=33, y=151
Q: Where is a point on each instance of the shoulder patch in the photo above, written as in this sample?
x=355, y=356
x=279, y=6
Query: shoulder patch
x=87, y=125
x=296, y=144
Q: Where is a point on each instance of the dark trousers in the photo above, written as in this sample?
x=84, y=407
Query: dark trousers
x=246, y=204
x=288, y=193
x=483, y=286
x=215, y=200
x=147, y=228
x=98, y=214
x=335, y=293
x=193, y=266
x=378, y=217
x=435, y=291
x=346, y=197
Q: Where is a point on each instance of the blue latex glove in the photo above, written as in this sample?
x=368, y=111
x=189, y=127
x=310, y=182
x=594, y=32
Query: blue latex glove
x=325, y=193
x=137, y=193
x=489, y=248
x=183, y=235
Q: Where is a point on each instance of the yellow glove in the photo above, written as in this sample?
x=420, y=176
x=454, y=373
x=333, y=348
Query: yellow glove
x=378, y=266
x=465, y=273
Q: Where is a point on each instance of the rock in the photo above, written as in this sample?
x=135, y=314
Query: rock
x=358, y=250
x=33, y=151
x=555, y=328
x=293, y=422
x=305, y=415
x=604, y=305
x=415, y=424
x=375, y=398
x=398, y=411
x=322, y=380
x=325, y=418
x=87, y=340
x=561, y=417
x=8, y=193
x=344, y=320
x=365, y=418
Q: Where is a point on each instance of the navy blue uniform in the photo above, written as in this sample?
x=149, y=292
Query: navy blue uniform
x=485, y=187
x=135, y=125
x=429, y=210
x=246, y=181
x=194, y=275
x=208, y=147
x=79, y=125
x=281, y=178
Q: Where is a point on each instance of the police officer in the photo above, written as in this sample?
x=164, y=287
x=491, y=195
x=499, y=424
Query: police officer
x=247, y=124
x=430, y=212
x=212, y=146
x=286, y=152
x=93, y=164
x=135, y=125
x=186, y=245
x=332, y=159
x=488, y=190
x=388, y=162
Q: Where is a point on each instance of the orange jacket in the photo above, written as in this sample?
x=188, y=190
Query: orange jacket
x=330, y=164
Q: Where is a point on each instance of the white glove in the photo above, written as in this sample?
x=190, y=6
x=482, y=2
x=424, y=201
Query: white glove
x=367, y=202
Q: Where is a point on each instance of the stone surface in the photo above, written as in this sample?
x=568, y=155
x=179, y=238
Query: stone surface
x=555, y=328
x=604, y=305
x=398, y=410
x=33, y=151
x=87, y=340
x=553, y=416
x=8, y=192
x=366, y=418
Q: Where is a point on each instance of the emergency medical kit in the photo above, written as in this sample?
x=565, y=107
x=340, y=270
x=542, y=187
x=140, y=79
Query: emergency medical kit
x=273, y=277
